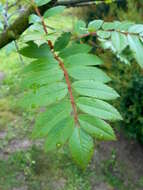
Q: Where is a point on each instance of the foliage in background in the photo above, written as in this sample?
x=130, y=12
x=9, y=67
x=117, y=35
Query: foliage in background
x=127, y=79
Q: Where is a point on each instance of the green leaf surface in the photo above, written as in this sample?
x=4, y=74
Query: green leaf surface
x=45, y=95
x=35, y=36
x=54, y=11
x=108, y=26
x=33, y=51
x=34, y=18
x=81, y=147
x=51, y=117
x=96, y=127
x=42, y=77
x=40, y=65
x=62, y=41
x=59, y=134
x=73, y=49
x=95, y=25
x=137, y=47
x=88, y=73
x=80, y=28
x=82, y=59
x=124, y=26
x=103, y=34
x=119, y=41
x=98, y=108
x=94, y=89
x=42, y=2
x=136, y=28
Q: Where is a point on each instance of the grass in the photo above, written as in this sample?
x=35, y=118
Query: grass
x=41, y=171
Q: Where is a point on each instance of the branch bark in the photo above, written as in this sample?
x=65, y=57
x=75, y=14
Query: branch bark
x=75, y=3
x=21, y=23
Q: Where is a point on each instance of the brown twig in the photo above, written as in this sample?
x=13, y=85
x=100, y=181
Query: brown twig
x=95, y=33
x=61, y=64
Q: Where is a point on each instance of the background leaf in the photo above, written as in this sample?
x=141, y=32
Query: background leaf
x=41, y=2
x=137, y=47
x=119, y=41
x=54, y=11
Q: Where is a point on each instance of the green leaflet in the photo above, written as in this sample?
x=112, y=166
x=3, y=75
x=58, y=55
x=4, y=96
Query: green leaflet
x=116, y=25
x=94, y=89
x=40, y=65
x=103, y=34
x=96, y=127
x=33, y=51
x=108, y=25
x=42, y=77
x=34, y=18
x=59, y=134
x=137, y=28
x=51, y=117
x=88, y=73
x=73, y=49
x=98, y=108
x=95, y=25
x=80, y=28
x=62, y=41
x=82, y=59
x=137, y=47
x=81, y=147
x=119, y=41
x=42, y=2
x=124, y=26
x=45, y=95
x=54, y=11
x=36, y=36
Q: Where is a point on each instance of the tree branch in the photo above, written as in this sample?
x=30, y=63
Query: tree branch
x=75, y=3
x=21, y=23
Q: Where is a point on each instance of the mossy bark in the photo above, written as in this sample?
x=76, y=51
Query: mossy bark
x=20, y=24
